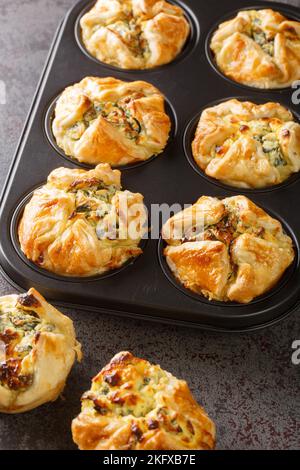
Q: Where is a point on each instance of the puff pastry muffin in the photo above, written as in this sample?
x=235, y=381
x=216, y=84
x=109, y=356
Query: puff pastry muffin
x=258, y=48
x=247, y=145
x=134, y=405
x=38, y=347
x=227, y=250
x=105, y=120
x=81, y=224
x=134, y=34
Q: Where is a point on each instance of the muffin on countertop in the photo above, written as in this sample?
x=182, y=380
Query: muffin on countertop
x=38, y=348
x=134, y=405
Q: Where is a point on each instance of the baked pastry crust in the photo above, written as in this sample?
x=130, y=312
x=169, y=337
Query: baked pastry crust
x=81, y=224
x=35, y=338
x=247, y=145
x=258, y=48
x=134, y=405
x=227, y=250
x=105, y=120
x=134, y=34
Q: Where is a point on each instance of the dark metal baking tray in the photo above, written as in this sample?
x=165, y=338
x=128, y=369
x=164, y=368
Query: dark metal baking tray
x=145, y=289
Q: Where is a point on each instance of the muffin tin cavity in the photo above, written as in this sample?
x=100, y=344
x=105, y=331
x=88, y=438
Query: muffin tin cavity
x=189, y=135
x=287, y=277
x=188, y=48
x=14, y=224
x=288, y=13
x=50, y=114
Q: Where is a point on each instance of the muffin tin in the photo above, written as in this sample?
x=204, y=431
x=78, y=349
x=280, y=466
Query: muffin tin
x=142, y=289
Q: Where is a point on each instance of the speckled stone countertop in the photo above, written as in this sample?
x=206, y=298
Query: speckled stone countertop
x=247, y=383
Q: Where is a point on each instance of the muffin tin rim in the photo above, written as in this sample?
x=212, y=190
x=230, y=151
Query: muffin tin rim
x=282, y=8
x=167, y=321
x=188, y=48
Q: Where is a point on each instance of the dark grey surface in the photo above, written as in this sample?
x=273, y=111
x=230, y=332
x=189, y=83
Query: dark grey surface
x=247, y=383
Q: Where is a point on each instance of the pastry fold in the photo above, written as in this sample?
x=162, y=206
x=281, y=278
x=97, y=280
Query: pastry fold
x=247, y=145
x=81, y=223
x=134, y=405
x=40, y=348
x=135, y=34
x=105, y=120
x=258, y=48
x=227, y=250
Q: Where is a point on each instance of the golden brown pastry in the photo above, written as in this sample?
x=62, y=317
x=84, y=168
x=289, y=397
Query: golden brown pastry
x=81, y=223
x=247, y=145
x=134, y=405
x=259, y=48
x=227, y=250
x=38, y=348
x=105, y=120
x=134, y=34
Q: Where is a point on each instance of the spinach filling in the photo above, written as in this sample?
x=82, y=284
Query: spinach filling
x=259, y=36
x=109, y=398
x=226, y=230
x=130, y=32
x=18, y=330
x=94, y=203
x=271, y=147
x=107, y=395
x=262, y=134
x=267, y=45
x=116, y=114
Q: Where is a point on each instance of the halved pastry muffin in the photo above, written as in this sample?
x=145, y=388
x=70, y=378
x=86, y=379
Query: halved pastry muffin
x=38, y=348
x=105, y=120
x=227, y=250
x=81, y=223
x=134, y=405
x=247, y=145
x=259, y=48
x=134, y=34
